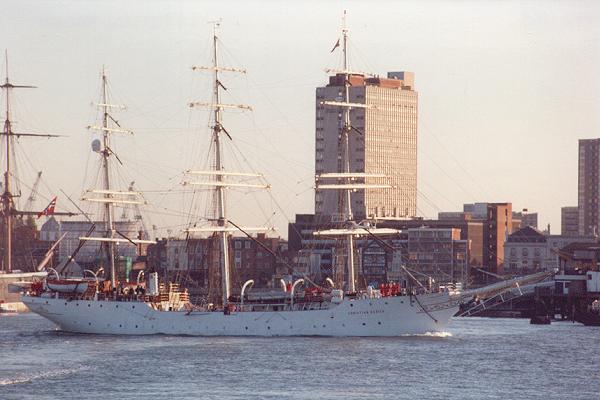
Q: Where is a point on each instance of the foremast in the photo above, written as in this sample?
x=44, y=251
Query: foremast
x=107, y=195
x=108, y=206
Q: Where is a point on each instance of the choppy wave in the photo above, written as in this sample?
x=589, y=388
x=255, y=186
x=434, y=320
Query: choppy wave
x=30, y=377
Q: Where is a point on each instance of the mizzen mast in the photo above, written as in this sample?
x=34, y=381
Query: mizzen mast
x=345, y=178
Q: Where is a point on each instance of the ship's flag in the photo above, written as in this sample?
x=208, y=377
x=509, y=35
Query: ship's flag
x=49, y=210
x=335, y=46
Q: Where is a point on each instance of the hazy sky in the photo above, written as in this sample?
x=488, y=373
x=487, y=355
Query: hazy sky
x=505, y=90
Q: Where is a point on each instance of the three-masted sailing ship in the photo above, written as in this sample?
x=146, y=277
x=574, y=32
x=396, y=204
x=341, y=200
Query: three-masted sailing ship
x=164, y=309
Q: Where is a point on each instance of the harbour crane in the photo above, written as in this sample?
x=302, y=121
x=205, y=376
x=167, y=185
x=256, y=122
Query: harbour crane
x=33, y=196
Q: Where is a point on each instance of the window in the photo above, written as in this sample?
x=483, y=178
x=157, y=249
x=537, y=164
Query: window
x=238, y=244
x=525, y=251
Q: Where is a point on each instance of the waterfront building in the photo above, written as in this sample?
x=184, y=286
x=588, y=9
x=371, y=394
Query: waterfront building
x=497, y=225
x=578, y=257
x=528, y=250
x=439, y=253
x=588, y=186
x=525, y=251
x=383, y=141
x=569, y=221
x=523, y=218
x=440, y=248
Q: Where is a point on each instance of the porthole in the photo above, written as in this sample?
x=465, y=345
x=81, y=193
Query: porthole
x=351, y=305
x=89, y=305
x=132, y=307
x=364, y=324
x=136, y=326
x=100, y=305
x=120, y=326
x=89, y=323
x=117, y=306
x=379, y=323
x=65, y=304
x=246, y=328
x=268, y=327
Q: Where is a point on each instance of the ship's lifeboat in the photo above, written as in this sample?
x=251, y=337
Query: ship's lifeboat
x=67, y=285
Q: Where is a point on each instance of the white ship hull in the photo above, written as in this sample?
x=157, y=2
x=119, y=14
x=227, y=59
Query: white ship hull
x=388, y=316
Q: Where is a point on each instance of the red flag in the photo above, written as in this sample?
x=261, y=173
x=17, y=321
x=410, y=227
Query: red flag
x=48, y=210
x=335, y=46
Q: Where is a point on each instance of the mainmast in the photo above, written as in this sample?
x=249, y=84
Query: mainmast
x=218, y=166
x=222, y=178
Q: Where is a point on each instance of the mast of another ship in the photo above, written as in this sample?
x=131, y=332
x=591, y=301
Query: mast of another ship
x=8, y=209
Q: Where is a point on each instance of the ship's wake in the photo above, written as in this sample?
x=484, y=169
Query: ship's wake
x=427, y=335
x=23, y=378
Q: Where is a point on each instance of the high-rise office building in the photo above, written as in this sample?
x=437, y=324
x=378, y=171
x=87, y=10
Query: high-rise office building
x=588, y=185
x=383, y=141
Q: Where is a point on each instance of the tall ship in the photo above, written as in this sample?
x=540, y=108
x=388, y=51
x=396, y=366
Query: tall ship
x=300, y=308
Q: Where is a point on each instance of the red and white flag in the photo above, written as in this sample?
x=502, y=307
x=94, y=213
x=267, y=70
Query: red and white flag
x=49, y=210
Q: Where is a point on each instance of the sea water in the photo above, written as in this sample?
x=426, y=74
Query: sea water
x=477, y=358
